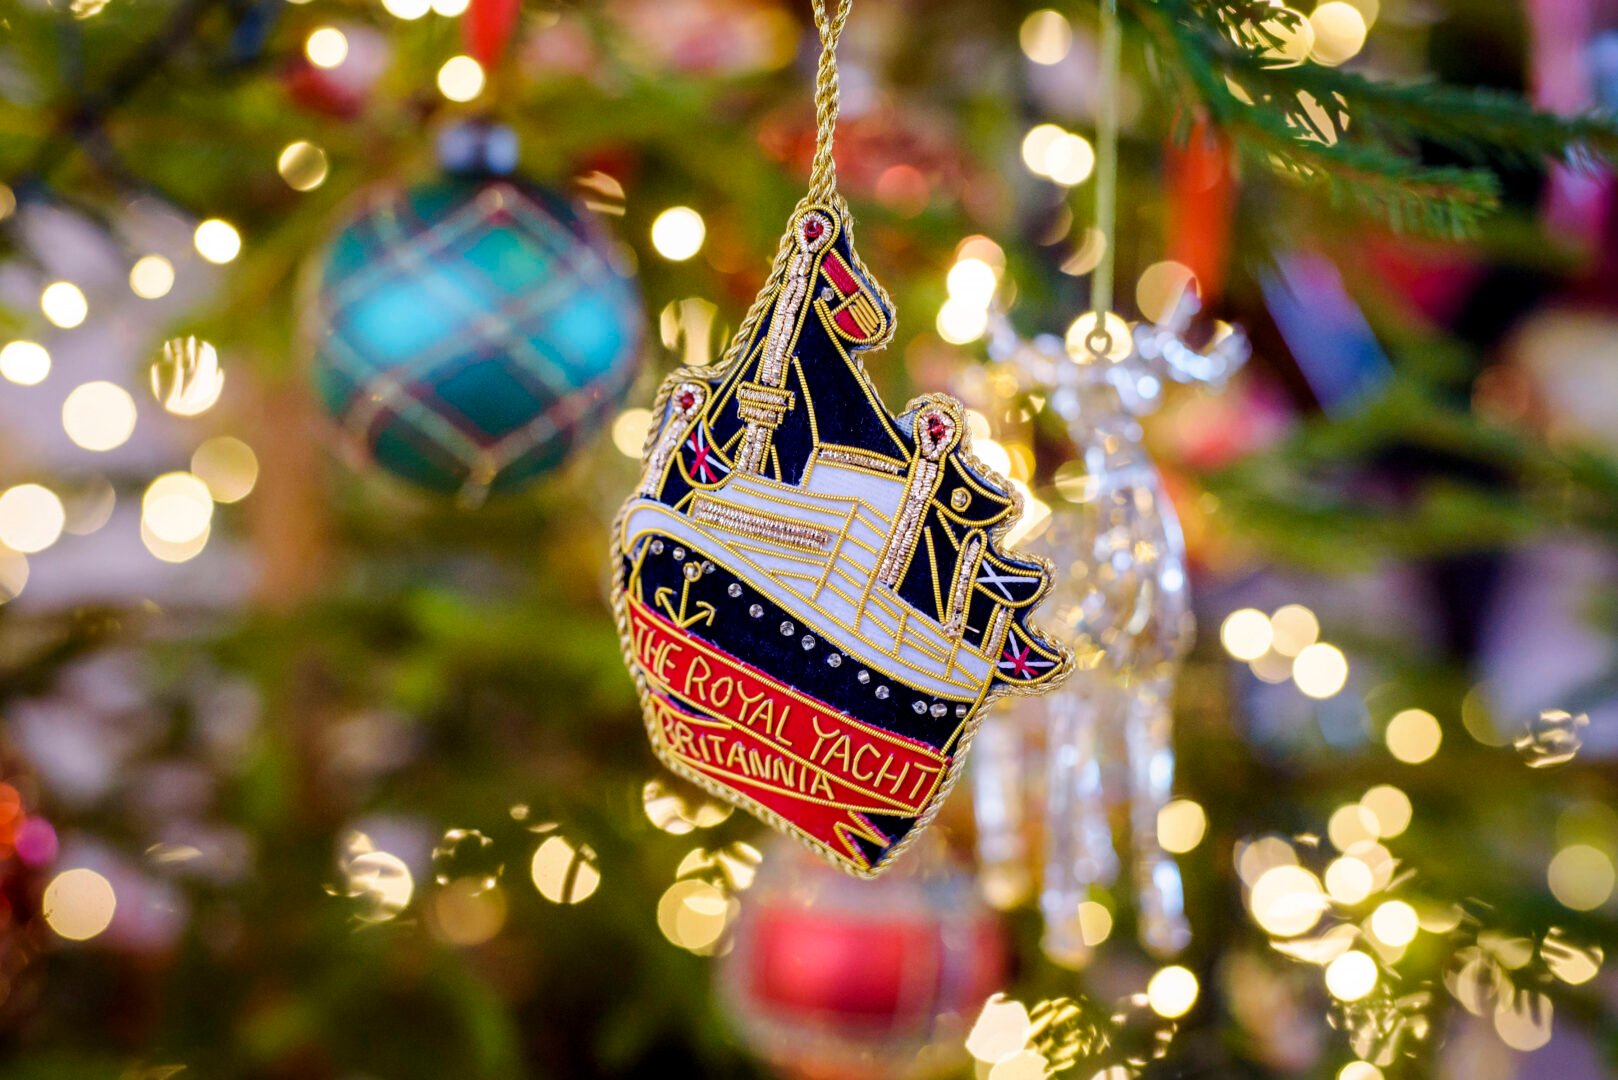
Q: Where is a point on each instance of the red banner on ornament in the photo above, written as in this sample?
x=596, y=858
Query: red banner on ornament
x=821, y=770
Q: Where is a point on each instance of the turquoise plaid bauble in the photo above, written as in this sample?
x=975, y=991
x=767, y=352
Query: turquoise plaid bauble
x=470, y=334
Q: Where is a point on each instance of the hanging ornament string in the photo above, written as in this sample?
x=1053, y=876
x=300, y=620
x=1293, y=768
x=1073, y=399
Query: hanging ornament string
x=1099, y=340
x=830, y=18
x=823, y=172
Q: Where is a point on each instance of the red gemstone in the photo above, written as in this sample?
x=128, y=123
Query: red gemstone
x=812, y=228
x=685, y=399
x=935, y=428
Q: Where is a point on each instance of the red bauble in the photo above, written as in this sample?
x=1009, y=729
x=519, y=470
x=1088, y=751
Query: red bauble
x=1201, y=206
x=835, y=977
x=486, y=28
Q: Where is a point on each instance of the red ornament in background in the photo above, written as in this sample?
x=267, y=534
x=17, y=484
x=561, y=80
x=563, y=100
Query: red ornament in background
x=1201, y=205
x=345, y=90
x=837, y=978
x=486, y=28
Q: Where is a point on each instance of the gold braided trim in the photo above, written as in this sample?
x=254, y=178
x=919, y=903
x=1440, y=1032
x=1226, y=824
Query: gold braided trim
x=760, y=404
x=759, y=525
x=861, y=458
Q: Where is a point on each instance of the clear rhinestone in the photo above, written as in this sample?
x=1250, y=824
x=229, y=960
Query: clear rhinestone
x=864, y=676
x=735, y=591
x=757, y=611
x=657, y=547
x=834, y=660
x=882, y=693
x=808, y=642
x=692, y=571
x=920, y=707
x=707, y=567
x=939, y=709
x=827, y=295
x=787, y=629
x=679, y=553
x=960, y=712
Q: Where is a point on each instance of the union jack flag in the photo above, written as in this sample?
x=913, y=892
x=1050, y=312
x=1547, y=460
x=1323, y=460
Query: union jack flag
x=705, y=466
x=1017, y=584
x=1023, y=663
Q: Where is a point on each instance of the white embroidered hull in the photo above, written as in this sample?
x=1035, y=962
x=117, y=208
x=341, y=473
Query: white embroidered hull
x=814, y=549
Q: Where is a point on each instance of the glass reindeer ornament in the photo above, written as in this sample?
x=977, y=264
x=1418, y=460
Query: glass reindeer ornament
x=1121, y=603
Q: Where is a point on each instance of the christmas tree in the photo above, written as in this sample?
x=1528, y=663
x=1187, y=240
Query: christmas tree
x=329, y=338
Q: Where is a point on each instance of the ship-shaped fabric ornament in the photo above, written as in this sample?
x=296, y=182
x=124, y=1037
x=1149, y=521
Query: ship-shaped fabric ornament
x=811, y=591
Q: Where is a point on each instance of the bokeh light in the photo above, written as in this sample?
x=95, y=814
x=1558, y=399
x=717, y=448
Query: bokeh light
x=1287, y=901
x=64, y=304
x=1413, y=736
x=187, y=379
x=960, y=321
x=99, y=416
x=972, y=281
x=170, y=552
x=1293, y=42
x=302, y=165
x=1580, y=876
x=1320, y=670
x=1095, y=922
x=465, y=913
x=177, y=508
x=1524, y=1021
x=381, y=882
x=326, y=47
x=1246, y=634
x=1069, y=160
x=1390, y=807
x=1351, y=825
x=79, y=904
x=217, y=241
x=31, y=518
x=408, y=10
x=1172, y=992
x=461, y=78
x=629, y=431
x=1265, y=853
x=564, y=873
x=1339, y=31
x=1351, y=976
x=1394, y=922
x=89, y=503
x=228, y=466
x=1058, y=155
x=694, y=914
x=1349, y=880
x=1181, y=825
x=1161, y=289
x=1571, y=963
x=1001, y=1030
x=1359, y=1070
x=1045, y=36
x=677, y=814
x=13, y=574
x=1295, y=628
x=678, y=233
x=151, y=277
x=25, y=363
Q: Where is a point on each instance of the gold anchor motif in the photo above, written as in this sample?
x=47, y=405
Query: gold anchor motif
x=702, y=613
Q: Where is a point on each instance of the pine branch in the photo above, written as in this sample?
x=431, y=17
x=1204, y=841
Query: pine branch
x=1354, y=140
x=1249, y=24
x=1408, y=196
x=1478, y=124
